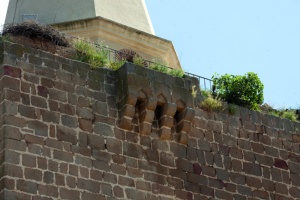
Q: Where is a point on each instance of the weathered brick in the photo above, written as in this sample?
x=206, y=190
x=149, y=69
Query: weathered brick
x=59, y=179
x=38, y=102
x=69, y=194
x=63, y=156
x=103, y=129
x=167, y=159
x=67, y=109
x=57, y=95
x=69, y=121
x=114, y=145
x=27, y=186
x=251, y=168
x=11, y=95
x=33, y=139
x=12, y=71
x=48, y=190
x=223, y=194
x=33, y=174
x=96, y=141
x=71, y=181
x=88, y=185
x=155, y=178
x=132, y=150
x=49, y=116
x=15, y=145
x=12, y=132
x=134, y=194
x=28, y=160
x=66, y=134
x=295, y=192
x=83, y=161
x=101, y=155
x=281, y=188
x=48, y=177
x=85, y=125
x=54, y=143
x=126, y=181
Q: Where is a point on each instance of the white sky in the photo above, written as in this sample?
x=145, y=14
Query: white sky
x=3, y=8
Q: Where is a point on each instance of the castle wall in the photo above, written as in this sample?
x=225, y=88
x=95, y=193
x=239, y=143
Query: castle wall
x=70, y=132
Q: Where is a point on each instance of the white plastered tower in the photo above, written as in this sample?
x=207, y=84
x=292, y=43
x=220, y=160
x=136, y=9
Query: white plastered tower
x=120, y=24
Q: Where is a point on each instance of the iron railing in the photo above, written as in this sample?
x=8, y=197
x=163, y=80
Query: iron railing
x=204, y=83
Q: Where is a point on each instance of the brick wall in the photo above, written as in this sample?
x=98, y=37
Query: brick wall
x=69, y=132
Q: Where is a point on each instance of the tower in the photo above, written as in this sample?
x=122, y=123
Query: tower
x=119, y=24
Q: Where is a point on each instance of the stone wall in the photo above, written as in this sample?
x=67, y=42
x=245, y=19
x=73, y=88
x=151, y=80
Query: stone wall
x=69, y=132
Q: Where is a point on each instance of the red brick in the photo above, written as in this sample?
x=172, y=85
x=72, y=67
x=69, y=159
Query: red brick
x=85, y=125
x=12, y=71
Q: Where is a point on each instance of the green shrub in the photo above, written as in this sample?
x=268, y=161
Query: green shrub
x=160, y=66
x=210, y=103
x=116, y=65
x=139, y=61
x=246, y=91
x=89, y=53
x=232, y=109
x=289, y=114
x=176, y=72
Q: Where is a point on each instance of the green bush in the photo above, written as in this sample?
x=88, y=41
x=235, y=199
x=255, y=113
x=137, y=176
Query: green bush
x=89, y=53
x=160, y=66
x=289, y=114
x=210, y=103
x=246, y=91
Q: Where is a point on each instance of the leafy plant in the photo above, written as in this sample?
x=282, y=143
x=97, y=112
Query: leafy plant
x=176, y=72
x=139, y=61
x=116, y=65
x=210, y=103
x=89, y=53
x=160, y=66
x=289, y=114
x=194, y=91
x=246, y=91
x=232, y=109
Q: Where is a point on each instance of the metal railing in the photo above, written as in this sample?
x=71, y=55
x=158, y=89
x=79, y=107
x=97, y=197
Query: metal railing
x=113, y=55
x=204, y=83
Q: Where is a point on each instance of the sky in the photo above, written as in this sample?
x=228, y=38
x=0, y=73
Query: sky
x=234, y=37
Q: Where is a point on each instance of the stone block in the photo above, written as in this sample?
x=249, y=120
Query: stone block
x=251, y=168
x=164, y=133
x=183, y=138
x=145, y=128
x=147, y=116
x=66, y=134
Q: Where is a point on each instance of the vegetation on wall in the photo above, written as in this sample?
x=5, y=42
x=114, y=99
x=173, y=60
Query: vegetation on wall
x=160, y=66
x=246, y=91
x=95, y=56
x=210, y=103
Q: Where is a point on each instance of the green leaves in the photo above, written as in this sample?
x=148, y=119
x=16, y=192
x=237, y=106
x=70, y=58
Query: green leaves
x=246, y=91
